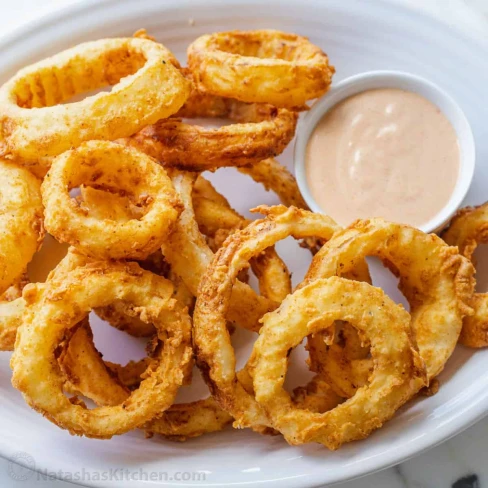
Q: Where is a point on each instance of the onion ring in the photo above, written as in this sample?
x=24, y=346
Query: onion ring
x=189, y=255
x=263, y=66
x=104, y=164
x=435, y=279
x=276, y=178
x=82, y=371
x=64, y=303
x=218, y=220
x=260, y=131
x=315, y=307
x=108, y=384
x=21, y=226
x=215, y=354
x=468, y=228
x=147, y=87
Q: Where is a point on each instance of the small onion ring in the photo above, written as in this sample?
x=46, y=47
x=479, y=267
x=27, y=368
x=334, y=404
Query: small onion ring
x=147, y=87
x=263, y=66
x=215, y=354
x=468, y=229
x=315, y=307
x=436, y=280
x=108, y=165
x=67, y=301
x=259, y=131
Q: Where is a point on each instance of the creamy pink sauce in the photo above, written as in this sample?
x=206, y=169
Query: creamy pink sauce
x=383, y=153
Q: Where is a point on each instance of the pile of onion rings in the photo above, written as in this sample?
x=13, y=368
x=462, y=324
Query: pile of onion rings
x=156, y=251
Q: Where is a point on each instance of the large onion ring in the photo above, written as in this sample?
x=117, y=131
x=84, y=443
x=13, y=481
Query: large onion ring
x=21, y=228
x=263, y=66
x=260, y=131
x=107, y=165
x=436, y=280
x=468, y=228
x=147, y=87
x=215, y=354
x=63, y=303
x=315, y=307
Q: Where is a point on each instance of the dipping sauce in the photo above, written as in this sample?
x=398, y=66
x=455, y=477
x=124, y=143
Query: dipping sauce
x=383, y=153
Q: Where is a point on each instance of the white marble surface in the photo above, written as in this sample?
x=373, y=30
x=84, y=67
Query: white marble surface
x=459, y=463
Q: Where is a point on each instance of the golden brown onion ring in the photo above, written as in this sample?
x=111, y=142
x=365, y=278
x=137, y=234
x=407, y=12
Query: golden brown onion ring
x=219, y=220
x=189, y=256
x=21, y=226
x=34, y=124
x=437, y=282
x=79, y=362
x=398, y=373
x=215, y=354
x=259, y=131
x=106, y=165
x=109, y=384
x=276, y=178
x=468, y=229
x=64, y=302
x=263, y=66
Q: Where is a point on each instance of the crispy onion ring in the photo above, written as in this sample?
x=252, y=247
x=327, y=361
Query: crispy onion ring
x=276, y=178
x=79, y=361
x=315, y=307
x=21, y=227
x=467, y=230
x=109, y=385
x=215, y=354
x=218, y=220
x=107, y=165
x=64, y=303
x=435, y=279
x=263, y=66
x=34, y=125
x=189, y=255
x=105, y=205
x=259, y=131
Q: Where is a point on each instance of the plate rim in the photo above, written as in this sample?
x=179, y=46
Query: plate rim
x=476, y=410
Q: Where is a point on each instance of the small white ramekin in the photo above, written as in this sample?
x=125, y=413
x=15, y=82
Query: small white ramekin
x=405, y=81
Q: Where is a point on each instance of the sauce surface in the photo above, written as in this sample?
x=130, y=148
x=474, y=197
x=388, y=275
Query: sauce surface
x=383, y=153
